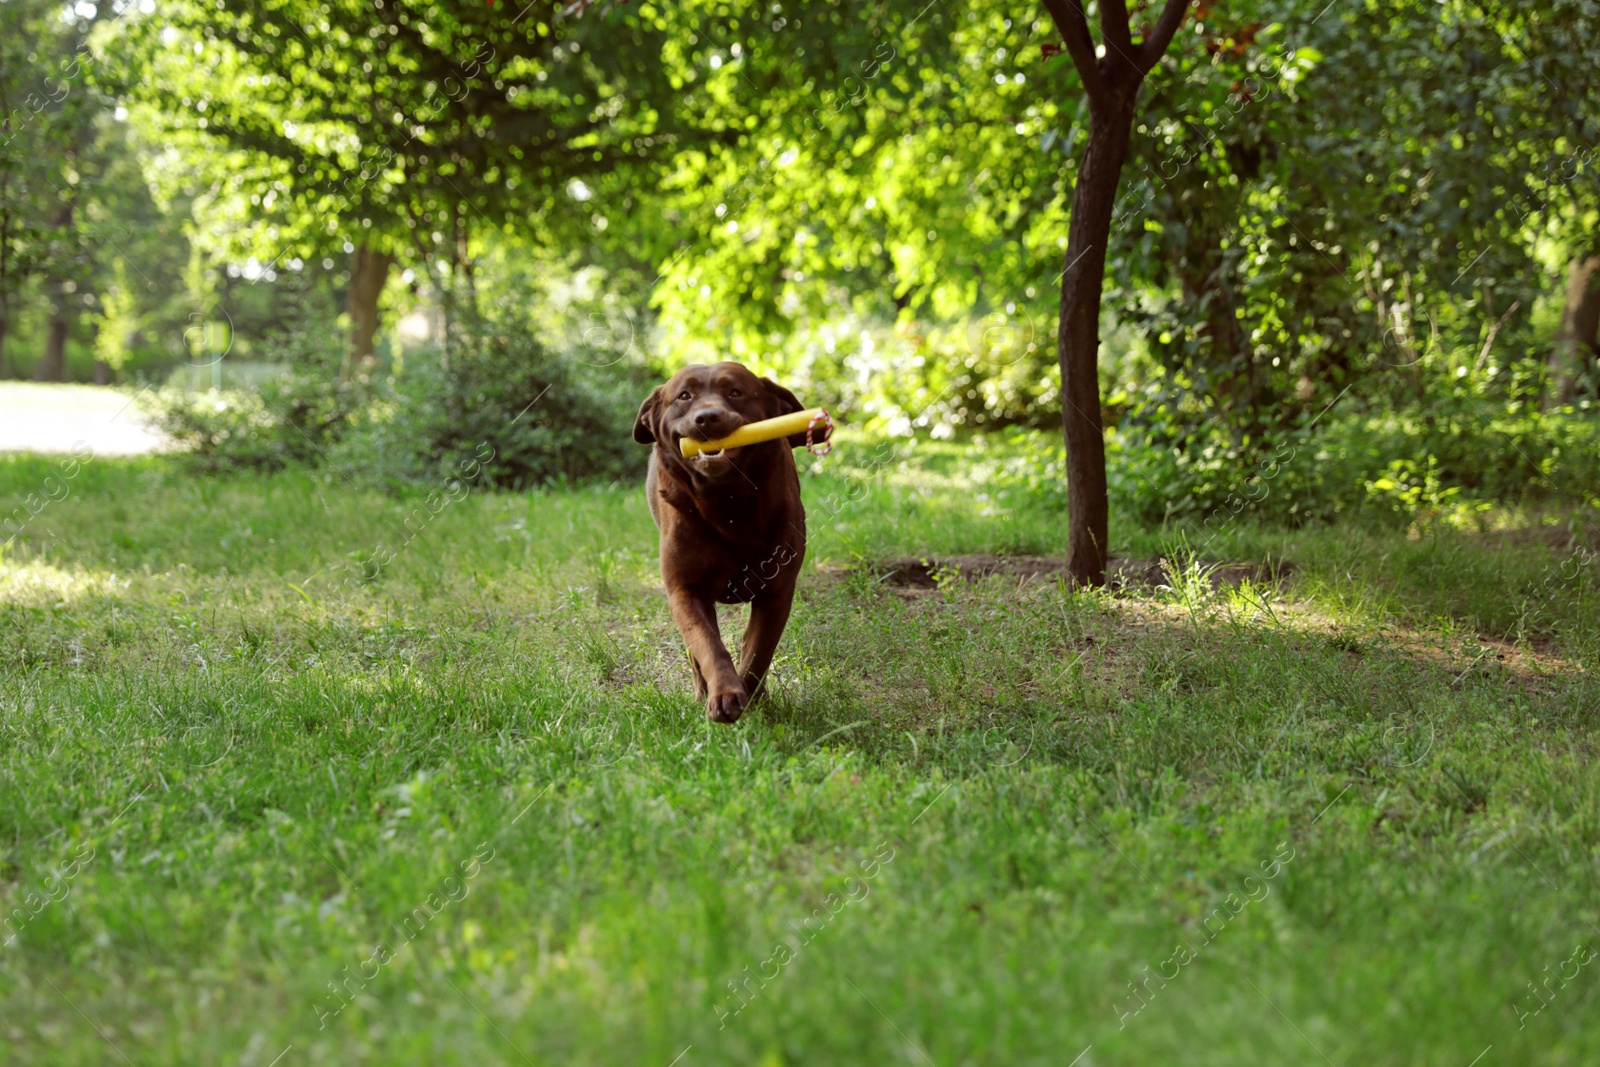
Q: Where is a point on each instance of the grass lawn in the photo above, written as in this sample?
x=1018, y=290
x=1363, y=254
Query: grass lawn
x=268, y=796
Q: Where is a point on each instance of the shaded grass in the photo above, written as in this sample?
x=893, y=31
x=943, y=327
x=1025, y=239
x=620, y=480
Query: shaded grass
x=978, y=819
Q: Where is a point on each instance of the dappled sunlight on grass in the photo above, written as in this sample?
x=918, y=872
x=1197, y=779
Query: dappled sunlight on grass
x=305, y=736
x=35, y=583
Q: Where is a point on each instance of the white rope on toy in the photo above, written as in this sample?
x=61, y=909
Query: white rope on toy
x=823, y=417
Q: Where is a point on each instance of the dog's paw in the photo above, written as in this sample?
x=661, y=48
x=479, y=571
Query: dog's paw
x=726, y=705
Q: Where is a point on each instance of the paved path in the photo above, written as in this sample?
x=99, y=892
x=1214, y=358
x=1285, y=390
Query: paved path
x=39, y=417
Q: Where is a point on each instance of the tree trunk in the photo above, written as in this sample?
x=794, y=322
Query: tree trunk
x=5, y=286
x=369, y=272
x=1078, y=341
x=1231, y=356
x=53, y=367
x=1111, y=83
x=102, y=372
x=1576, y=344
x=1225, y=364
x=6, y=280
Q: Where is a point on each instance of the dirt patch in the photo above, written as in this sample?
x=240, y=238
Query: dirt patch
x=1527, y=668
x=925, y=572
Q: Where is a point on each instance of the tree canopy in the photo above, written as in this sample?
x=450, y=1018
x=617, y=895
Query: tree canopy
x=875, y=201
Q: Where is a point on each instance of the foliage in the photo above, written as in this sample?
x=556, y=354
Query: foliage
x=293, y=416
x=120, y=319
x=289, y=419
x=1300, y=210
x=409, y=127
x=47, y=134
x=870, y=203
x=1380, y=464
x=1323, y=222
x=498, y=396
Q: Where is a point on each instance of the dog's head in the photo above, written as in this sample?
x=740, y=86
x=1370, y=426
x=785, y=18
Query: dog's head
x=705, y=403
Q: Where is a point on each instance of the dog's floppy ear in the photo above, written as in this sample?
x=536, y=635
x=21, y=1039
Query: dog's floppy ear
x=783, y=401
x=644, y=427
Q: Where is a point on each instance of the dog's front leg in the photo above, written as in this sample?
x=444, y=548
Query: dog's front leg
x=768, y=617
x=697, y=622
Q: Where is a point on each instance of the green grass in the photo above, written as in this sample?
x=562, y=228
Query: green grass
x=998, y=805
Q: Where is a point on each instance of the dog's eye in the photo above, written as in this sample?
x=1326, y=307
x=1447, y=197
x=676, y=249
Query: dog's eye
x=734, y=394
x=684, y=395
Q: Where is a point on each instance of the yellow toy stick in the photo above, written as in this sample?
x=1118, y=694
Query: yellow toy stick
x=766, y=430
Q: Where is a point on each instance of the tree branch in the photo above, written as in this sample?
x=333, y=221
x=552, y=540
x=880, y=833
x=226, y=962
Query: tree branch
x=1074, y=28
x=1114, y=26
x=1155, y=45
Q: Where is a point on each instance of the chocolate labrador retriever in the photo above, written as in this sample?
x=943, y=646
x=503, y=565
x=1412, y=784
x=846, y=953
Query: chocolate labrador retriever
x=733, y=530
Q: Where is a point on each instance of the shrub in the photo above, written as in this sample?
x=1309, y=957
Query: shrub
x=547, y=418
x=290, y=419
x=1390, y=466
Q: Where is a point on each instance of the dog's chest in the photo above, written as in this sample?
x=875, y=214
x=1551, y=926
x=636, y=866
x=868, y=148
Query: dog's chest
x=745, y=553
x=747, y=536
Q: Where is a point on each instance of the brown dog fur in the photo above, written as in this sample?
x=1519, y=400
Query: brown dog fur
x=733, y=529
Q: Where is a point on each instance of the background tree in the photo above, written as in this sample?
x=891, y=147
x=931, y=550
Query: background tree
x=410, y=131
x=47, y=112
x=1112, y=74
x=1378, y=202
x=1576, y=351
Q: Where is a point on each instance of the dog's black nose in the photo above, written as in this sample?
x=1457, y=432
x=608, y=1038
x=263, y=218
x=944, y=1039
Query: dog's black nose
x=707, y=419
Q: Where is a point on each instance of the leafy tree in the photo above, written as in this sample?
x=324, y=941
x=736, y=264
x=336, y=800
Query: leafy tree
x=926, y=138
x=1304, y=196
x=1556, y=82
x=46, y=125
x=889, y=170
x=411, y=130
x=1112, y=74
x=1577, y=343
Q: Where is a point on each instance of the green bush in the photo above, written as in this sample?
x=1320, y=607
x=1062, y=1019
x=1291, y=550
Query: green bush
x=543, y=418
x=1389, y=466
x=293, y=418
